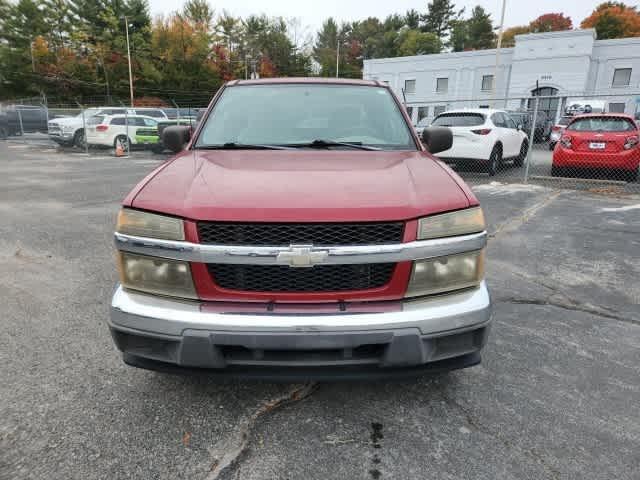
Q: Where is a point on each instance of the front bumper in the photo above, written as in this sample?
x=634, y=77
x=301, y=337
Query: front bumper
x=372, y=339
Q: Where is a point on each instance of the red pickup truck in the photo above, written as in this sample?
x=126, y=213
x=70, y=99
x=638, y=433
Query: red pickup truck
x=302, y=230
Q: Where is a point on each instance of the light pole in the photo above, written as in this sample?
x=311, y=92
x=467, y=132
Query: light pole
x=337, y=56
x=495, y=72
x=126, y=23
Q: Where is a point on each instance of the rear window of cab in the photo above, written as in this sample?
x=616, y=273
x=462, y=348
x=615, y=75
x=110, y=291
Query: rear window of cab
x=602, y=124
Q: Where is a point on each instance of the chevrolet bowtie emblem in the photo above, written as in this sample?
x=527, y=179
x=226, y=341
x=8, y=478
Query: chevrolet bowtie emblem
x=302, y=256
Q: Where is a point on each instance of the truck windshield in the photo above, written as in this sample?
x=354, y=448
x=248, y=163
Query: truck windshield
x=301, y=115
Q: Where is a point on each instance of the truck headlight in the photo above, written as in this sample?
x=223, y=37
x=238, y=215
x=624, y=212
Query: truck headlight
x=444, y=274
x=461, y=222
x=155, y=275
x=151, y=225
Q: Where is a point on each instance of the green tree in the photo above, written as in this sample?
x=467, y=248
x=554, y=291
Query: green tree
x=438, y=18
x=415, y=42
x=479, y=30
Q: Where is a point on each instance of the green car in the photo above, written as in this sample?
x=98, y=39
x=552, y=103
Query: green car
x=147, y=136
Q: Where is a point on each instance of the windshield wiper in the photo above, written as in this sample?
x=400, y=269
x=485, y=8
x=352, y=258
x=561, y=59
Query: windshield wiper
x=242, y=146
x=319, y=143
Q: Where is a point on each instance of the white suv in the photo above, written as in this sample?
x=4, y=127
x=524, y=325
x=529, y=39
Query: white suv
x=69, y=130
x=484, y=136
x=111, y=130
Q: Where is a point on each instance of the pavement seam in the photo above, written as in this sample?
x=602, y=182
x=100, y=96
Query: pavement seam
x=233, y=455
x=517, y=222
x=569, y=305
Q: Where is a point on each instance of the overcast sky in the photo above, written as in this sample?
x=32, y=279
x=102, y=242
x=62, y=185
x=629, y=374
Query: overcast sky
x=312, y=12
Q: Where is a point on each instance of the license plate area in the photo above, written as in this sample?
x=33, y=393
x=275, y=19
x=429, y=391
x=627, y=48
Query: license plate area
x=597, y=145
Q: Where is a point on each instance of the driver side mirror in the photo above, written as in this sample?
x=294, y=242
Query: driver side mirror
x=519, y=127
x=176, y=137
x=437, y=139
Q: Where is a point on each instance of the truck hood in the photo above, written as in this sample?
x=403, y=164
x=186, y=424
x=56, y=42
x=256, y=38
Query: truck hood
x=301, y=185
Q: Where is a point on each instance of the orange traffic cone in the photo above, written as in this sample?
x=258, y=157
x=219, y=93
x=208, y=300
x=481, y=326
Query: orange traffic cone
x=119, y=150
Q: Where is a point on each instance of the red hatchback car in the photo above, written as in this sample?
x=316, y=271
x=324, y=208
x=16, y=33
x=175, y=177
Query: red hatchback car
x=604, y=142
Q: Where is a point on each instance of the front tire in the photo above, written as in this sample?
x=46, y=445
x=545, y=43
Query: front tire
x=495, y=160
x=557, y=171
x=4, y=133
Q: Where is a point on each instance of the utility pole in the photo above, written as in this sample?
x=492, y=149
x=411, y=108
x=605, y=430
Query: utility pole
x=495, y=72
x=126, y=23
x=337, y=56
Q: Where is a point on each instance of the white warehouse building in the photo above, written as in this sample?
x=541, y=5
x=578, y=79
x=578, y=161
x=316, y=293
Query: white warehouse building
x=570, y=66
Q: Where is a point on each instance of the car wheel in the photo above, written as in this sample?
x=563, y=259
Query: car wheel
x=78, y=139
x=634, y=175
x=495, y=159
x=4, y=133
x=557, y=171
x=524, y=149
x=123, y=141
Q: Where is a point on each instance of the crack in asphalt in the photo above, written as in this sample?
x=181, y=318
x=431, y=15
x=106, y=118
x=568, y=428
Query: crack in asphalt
x=570, y=305
x=516, y=222
x=234, y=454
x=480, y=427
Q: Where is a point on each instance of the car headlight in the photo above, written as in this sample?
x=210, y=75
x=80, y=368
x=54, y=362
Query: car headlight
x=151, y=225
x=155, y=275
x=444, y=274
x=461, y=222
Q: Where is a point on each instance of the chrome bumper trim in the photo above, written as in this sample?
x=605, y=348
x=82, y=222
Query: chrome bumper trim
x=339, y=255
x=432, y=315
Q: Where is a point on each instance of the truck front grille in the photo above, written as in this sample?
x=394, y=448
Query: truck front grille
x=284, y=234
x=282, y=278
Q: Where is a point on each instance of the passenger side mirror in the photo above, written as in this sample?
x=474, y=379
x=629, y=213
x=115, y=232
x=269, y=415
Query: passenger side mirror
x=437, y=139
x=176, y=137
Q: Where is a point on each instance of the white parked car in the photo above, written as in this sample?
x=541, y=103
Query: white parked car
x=69, y=130
x=485, y=136
x=111, y=130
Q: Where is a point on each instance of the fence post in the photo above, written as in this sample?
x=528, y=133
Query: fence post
x=532, y=142
x=126, y=130
x=84, y=130
x=177, y=111
x=24, y=140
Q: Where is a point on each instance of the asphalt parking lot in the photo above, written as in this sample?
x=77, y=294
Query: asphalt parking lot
x=556, y=397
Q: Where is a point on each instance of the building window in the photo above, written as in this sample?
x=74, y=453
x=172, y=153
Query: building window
x=487, y=83
x=621, y=77
x=409, y=86
x=438, y=109
x=617, y=107
x=410, y=112
x=442, y=85
x=423, y=112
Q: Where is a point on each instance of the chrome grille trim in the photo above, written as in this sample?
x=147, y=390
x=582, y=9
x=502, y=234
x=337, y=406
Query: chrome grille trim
x=337, y=255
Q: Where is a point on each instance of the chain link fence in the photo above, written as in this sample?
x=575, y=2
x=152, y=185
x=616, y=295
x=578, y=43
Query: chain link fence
x=569, y=141
x=96, y=126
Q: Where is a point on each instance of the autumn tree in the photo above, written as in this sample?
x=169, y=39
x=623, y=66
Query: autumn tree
x=551, y=22
x=614, y=20
x=509, y=35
